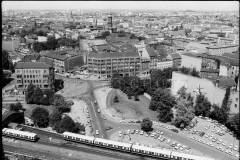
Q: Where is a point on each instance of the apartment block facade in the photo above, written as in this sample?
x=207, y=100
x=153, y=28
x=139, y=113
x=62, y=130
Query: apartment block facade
x=102, y=65
x=219, y=50
x=37, y=73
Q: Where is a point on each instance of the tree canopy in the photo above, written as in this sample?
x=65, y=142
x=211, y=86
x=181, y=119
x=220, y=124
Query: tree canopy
x=162, y=101
x=40, y=117
x=146, y=125
x=16, y=107
x=203, y=106
x=66, y=125
x=184, y=113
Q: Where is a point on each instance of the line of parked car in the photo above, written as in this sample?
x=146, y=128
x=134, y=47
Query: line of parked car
x=157, y=135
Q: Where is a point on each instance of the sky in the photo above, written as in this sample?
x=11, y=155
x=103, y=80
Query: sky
x=161, y=5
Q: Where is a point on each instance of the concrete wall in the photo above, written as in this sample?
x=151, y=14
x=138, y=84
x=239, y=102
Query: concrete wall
x=212, y=92
x=191, y=62
x=223, y=71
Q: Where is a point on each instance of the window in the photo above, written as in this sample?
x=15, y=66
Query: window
x=37, y=81
x=236, y=99
x=33, y=76
x=28, y=81
x=30, y=76
x=24, y=76
x=35, y=71
x=27, y=76
x=236, y=105
x=33, y=81
x=40, y=86
x=45, y=71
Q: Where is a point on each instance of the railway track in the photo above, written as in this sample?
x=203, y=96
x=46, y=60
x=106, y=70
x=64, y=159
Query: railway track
x=83, y=147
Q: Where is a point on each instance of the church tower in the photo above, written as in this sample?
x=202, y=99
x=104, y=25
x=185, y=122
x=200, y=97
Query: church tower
x=109, y=22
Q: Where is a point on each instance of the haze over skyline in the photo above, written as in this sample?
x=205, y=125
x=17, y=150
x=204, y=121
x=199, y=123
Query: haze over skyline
x=161, y=5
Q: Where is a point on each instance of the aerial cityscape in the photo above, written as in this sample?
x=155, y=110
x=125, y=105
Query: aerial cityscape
x=114, y=80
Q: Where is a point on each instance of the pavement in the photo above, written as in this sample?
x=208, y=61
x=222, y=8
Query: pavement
x=78, y=114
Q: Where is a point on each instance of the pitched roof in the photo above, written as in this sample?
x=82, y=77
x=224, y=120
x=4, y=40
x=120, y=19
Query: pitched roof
x=113, y=54
x=175, y=56
x=231, y=55
x=223, y=81
x=55, y=56
x=29, y=58
x=31, y=65
x=151, y=52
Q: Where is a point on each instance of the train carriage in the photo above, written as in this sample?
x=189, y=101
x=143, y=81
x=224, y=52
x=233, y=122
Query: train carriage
x=153, y=152
x=78, y=138
x=19, y=134
x=125, y=147
x=186, y=156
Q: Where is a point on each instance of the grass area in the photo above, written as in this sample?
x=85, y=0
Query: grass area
x=129, y=108
x=30, y=107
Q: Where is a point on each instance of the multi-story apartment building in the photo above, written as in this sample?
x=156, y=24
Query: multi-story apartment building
x=164, y=64
x=62, y=61
x=37, y=73
x=219, y=50
x=102, y=65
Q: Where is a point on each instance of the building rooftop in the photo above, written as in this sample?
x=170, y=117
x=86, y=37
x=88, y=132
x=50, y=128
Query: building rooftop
x=222, y=46
x=151, y=52
x=113, y=54
x=56, y=56
x=223, y=82
x=31, y=65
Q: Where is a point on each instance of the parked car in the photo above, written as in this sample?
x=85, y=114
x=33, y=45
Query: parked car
x=97, y=132
x=108, y=128
x=174, y=130
x=99, y=110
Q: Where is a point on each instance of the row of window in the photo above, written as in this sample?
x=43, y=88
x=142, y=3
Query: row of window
x=19, y=135
x=30, y=71
x=32, y=81
x=79, y=139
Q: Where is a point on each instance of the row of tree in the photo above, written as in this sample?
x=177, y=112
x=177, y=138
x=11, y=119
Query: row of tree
x=34, y=95
x=53, y=43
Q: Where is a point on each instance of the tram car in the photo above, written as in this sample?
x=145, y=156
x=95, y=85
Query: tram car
x=184, y=156
x=130, y=148
x=19, y=134
x=78, y=138
x=125, y=147
x=153, y=152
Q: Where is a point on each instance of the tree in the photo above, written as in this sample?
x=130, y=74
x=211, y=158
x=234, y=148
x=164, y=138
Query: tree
x=162, y=101
x=115, y=99
x=5, y=60
x=226, y=102
x=203, y=106
x=184, y=113
x=146, y=125
x=233, y=124
x=141, y=38
x=39, y=46
x=217, y=114
x=182, y=92
x=40, y=117
x=47, y=97
x=16, y=107
x=60, y=103
x=37, y=95
x=54, y=117
x=133, y=36
x=67, y=124
x=194, y=73
x=29, y=93
x=116, y=81
x=122, y=34
x=51, y=43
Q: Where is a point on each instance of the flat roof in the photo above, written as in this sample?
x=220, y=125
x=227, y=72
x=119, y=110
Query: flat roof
x=113, y=142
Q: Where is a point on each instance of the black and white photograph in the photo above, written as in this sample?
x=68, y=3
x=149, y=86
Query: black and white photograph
x=120, y=80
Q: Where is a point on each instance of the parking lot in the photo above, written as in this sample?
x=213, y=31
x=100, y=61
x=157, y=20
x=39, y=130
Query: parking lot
x=217, y=136
x=154, y=139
